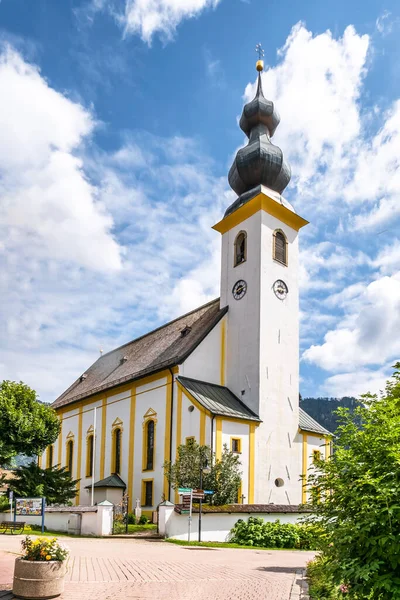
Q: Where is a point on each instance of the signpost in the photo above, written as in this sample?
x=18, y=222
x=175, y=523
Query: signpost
x=10, y=499
x=30, y=507
x=187, y=505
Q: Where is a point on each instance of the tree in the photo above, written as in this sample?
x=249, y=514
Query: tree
x=357, y=500
x=224, y=477
x=54, y=483
x=27, y=426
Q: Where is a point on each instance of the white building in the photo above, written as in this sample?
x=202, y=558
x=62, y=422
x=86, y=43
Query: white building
x=226, y=373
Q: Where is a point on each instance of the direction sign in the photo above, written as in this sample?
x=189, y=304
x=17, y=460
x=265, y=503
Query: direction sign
x=208, y=491
x=184, y=490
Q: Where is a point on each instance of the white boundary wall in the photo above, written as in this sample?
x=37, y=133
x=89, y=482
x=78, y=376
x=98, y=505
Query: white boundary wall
x=215, y=527
x=95, y=522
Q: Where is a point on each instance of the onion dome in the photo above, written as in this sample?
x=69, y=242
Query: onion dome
x=260, y=162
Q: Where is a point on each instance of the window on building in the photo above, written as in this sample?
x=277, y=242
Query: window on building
x=316, y=455
x=89, y=456
x=70, y=456
x=117, y=450
x=49, y=457
x=190, y=440
x=150, y=445
x=280, y=247
x=236, y=445
x=147, y=499
x=240, y=248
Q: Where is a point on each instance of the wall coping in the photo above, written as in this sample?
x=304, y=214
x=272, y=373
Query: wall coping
x=247, y=509
x=71, y=509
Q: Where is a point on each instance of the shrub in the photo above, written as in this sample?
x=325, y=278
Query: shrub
x=43, y=549
x=321, y=582
x=35, y=527
x=143, y=520
x=267, y=534
x=131, y=519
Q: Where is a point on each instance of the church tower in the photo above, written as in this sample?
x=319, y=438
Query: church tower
x=259, y=285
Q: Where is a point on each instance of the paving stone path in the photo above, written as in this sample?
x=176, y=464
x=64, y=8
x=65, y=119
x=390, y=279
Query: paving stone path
x=114, y=569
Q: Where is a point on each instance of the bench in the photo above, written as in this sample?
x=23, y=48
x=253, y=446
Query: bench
x=13, y=526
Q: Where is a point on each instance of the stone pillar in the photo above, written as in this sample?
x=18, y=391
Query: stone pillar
x=165, y=510
x=105, y=518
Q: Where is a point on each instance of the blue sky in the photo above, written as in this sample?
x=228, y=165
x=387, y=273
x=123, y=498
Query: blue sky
x=119, y=124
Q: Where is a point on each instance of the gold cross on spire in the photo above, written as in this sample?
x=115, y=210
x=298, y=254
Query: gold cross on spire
x=260, y=62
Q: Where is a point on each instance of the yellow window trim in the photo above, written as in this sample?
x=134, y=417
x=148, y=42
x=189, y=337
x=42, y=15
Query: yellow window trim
x=146, y=421
x=144, y=481
x=116, y=425
x=235, y=439
x=167, y=431
x=49, y=455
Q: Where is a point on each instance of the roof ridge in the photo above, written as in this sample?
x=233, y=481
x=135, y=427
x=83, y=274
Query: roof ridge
x=141, y=337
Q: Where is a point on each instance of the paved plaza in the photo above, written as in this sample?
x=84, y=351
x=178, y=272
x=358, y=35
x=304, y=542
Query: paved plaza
x=114, y=569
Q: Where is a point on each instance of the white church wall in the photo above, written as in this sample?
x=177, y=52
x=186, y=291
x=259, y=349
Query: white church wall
x=87, y=422
x=190, y=420
x=233, y=429
x=152, y=395
x=204, y=363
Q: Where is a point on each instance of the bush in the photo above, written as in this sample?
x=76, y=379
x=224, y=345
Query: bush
x=35, y=527
x=267, y=534
x=131, y=519
x=143, y=520
x=321, y=582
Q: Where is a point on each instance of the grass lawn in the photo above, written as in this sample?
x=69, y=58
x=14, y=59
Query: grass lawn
x=222, y=545
x=140, y=528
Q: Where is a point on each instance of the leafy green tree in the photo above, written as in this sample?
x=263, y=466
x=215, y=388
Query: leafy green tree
x=54, y=483
x=27, y=426
x=223, y=478
x=358, y=499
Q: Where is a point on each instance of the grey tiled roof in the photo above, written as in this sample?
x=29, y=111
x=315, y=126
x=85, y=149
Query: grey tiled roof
x=309, y=424
x=160, y=349
x=217, y=399
x=112, y=481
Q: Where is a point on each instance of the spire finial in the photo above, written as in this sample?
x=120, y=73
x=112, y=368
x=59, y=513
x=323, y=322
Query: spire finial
x=260, y=62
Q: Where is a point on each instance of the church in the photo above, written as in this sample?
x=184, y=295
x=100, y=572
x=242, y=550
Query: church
x=226, y=373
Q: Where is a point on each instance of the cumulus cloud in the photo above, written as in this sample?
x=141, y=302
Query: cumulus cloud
x=45, y=195
x=149, y=17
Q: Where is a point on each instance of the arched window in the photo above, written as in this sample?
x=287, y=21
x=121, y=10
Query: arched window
x=240, y=248
x=149, y=445
x=280, y=247
x=70, y=456
x=89, y=455
x=49, y=457
x=117, y=451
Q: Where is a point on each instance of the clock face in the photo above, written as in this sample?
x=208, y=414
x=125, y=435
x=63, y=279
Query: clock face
x=281, y=289
x=239, y=289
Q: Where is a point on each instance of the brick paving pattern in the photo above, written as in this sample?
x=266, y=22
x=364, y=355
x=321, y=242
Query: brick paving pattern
x=117, y=569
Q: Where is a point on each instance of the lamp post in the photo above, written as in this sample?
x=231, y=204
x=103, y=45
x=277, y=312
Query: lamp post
x=204, y=468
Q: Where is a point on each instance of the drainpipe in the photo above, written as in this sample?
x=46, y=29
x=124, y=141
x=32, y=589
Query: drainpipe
x=171, y=428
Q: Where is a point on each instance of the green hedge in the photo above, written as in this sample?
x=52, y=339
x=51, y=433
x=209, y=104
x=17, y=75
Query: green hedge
x=267, y=534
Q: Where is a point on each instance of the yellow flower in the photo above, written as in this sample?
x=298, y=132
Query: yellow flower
x=48, y=557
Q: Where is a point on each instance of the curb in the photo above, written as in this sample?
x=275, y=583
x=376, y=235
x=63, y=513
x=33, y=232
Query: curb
x=299, y=589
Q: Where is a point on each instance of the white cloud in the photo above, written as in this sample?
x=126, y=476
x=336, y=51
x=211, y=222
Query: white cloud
x=368, y=337
x=45, y=195
x=149, y=17
x=356, y=384
x=316, y=89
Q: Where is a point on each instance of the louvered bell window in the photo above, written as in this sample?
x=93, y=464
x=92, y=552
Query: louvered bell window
x=280, y=248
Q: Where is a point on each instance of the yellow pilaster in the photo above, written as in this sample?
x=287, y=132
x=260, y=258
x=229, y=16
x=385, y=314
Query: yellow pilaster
x=218, y=441
x=252, y=456
x=202, y=428
x=103, y=436
x=131, y=460
x=79, y=464
x=304, y=469
x=223, y=351
x=59, y=457
x=167, y=431
x=178, y=429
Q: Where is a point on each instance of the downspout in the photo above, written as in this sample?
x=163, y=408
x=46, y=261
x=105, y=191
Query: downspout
x=171, y=428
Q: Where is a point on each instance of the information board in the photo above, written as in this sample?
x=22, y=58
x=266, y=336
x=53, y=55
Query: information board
x=29, y=506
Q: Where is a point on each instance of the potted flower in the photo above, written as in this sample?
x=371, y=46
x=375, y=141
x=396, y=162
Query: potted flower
x=39, y=573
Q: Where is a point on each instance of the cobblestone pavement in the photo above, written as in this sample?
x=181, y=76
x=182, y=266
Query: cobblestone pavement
x=111, y=569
